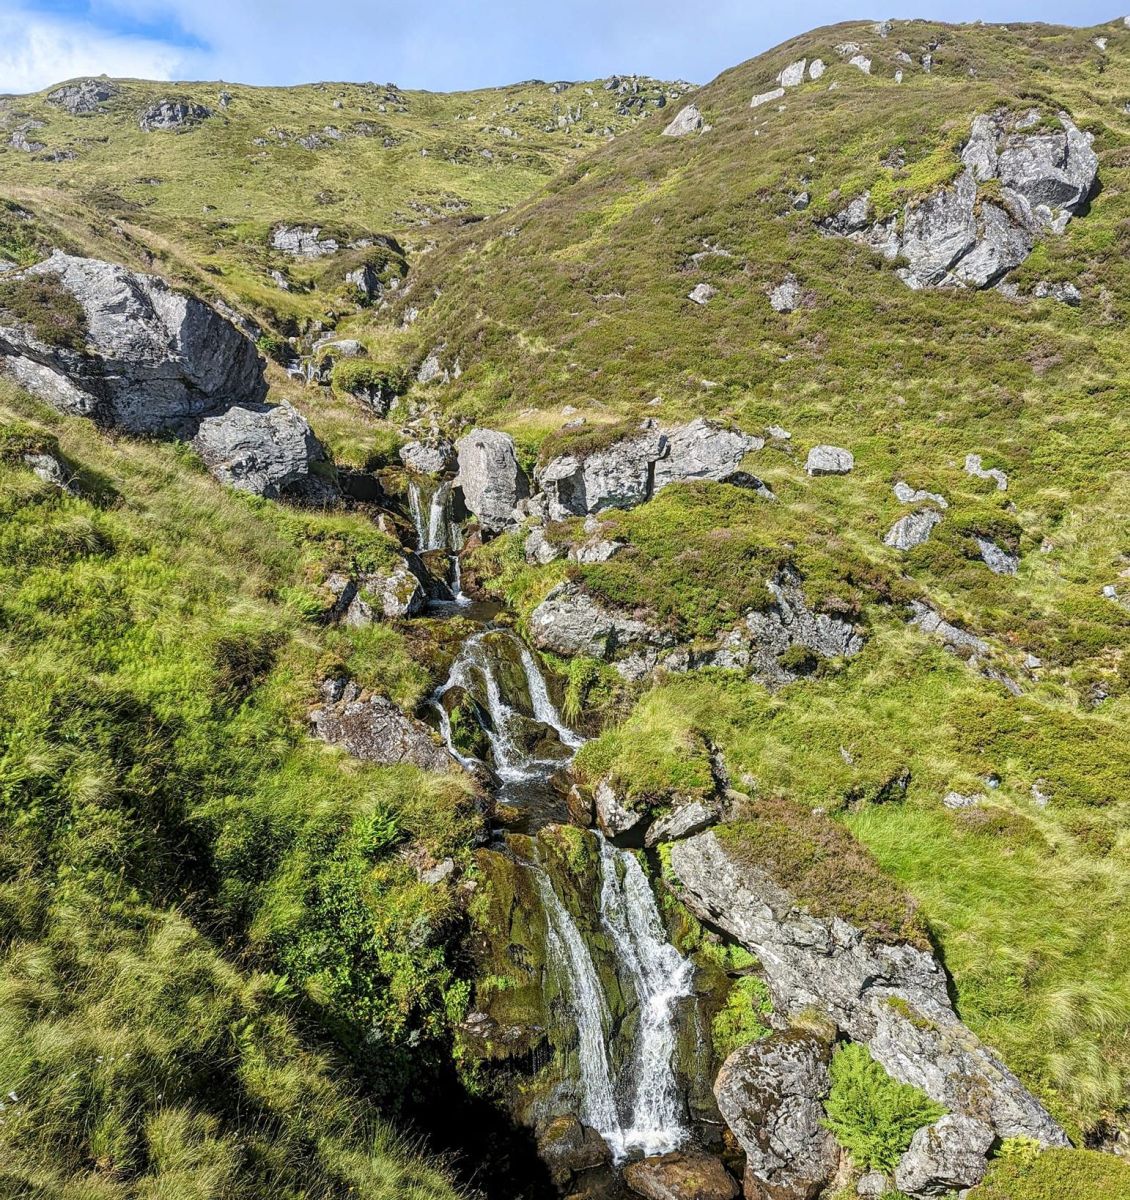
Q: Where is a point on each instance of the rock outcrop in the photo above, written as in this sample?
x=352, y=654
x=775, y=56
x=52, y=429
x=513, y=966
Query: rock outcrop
x=83, y=97
x=687, y=120
x=912, y=530
x=303, y=243
x=570, y=622
x=490, y=478
x=154, y=359
x=945, y=1157
x=786, y=296
x=173, y=114
x=268, y=451
x=615, y=476
x=968, y=236
x=365, y=599
x=890, y=995
x=998, y=560
x=769, y=1094
x=973, y=466
x=376, y=730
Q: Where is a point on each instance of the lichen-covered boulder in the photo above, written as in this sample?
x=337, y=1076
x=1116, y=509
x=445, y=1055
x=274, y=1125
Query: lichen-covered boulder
x=154, y=359
x=265, y=450
x=376, y=730
x=681, y=1175
x=392, y=594
x=303, y=243
x=428, y=458
x=912, y=530
x=615, y=476
x=490, y=478
x=702, y=449
x=769, y=1093
x=173, y=114
x=945, y=1157
x=570, y=622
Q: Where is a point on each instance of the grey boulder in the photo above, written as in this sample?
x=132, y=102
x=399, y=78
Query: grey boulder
x=376, y=730
x=155, y=359
x=912, y=530
x=303, y=243
x=945, y=1157
x=687, y=120
x=786, y=296
x=267, y=451
x=491, y=480
x=769, y=1093
x=829, y=460
x=999, y=561
x=173, y=114
x=702, y=449
x=615, y=476
x=428, y=458
x=570, y=622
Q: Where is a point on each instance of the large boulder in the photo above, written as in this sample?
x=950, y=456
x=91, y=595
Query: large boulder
x=154, y=359
x=889, y=994
x=428, y=458
x=615, y=476
x=945, y=1157
x=769, y=1093
x=265, y=450
x=961, y=237
x=681, y=1175
x=687, y=120
x=394, y=593
x=376, y=730
x=491, y=480
x=703, y=449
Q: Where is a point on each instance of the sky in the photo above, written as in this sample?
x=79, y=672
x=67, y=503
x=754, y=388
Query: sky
x=443, y=45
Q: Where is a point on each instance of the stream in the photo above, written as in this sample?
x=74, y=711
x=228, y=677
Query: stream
x=627, y=1089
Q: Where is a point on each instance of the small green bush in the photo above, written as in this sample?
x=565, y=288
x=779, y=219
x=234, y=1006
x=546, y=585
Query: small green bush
x=42, y=302
x=353, y=375
x=872, y=1116
x=743, y=1018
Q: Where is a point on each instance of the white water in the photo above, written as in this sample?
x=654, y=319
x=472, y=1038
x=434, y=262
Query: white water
x=636, y=1108
x=437, y=530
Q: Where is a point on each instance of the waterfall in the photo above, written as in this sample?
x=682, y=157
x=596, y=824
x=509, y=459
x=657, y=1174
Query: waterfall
x=660, y=978
x=436, y=530
x=544, y=709
x=416, y=508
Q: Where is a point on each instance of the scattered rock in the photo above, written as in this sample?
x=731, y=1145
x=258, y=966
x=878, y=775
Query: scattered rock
x=786, y=296
x=51, y=469
x=20, y=141
x=437, y=874
x=892, y=996
x=376, y=730
x=958, y=639
x=861, y=62
x=973, y=467
x=687, y=120
x=778, y=434
x=801, y=201
x=1065, y=293
x=491, y=480
x=702, y=293
x=873, y=1185
x=173, y=114
x=303, y=243
x=431, y=369
x=681, y=1175
x=905, y=494
x=154, y=359
x=615, y=476
x=595, y=551
x=960, y=800
x=999, y=561
x=265, y=450
x=84, y=96
x=539, y=549
x=912, y=530
x=945, y=1157
x=428, y=458
x=829, y=460
x=766, y=97
x=702, y=449
x=769, y=1093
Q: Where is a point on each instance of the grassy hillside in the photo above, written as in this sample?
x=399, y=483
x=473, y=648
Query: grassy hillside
x=578, y=298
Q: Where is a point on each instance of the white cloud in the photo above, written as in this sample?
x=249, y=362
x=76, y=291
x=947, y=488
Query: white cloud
x=36, y=51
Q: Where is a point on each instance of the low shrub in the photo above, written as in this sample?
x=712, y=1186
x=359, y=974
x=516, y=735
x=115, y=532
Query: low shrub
x=42, y=302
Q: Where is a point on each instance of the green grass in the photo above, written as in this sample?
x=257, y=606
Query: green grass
x=1056, y=1175
x=194, y=894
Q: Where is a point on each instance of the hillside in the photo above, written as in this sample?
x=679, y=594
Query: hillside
x=778, y=432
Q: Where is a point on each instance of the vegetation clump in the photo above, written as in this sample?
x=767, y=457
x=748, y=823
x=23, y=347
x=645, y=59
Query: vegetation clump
x=41, y=301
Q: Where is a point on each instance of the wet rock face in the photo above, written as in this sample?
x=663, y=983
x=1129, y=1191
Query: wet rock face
x=376, y=730
x=892, y=997
x=959, y=237
x=681, y=1175
x=491, y=480
x=155, y=359
x=84, y=96
x=770, y=1094
x=566, y=1147
x=945, y=1157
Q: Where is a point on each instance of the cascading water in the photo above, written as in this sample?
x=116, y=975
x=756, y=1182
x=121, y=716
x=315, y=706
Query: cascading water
x=632, y=1100
x=436, y=529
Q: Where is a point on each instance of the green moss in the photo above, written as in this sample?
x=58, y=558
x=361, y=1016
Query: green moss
x=42, y=302
x=1056, y=1175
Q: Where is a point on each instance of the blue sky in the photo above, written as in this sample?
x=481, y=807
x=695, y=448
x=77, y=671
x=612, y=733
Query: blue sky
x=440, y=44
